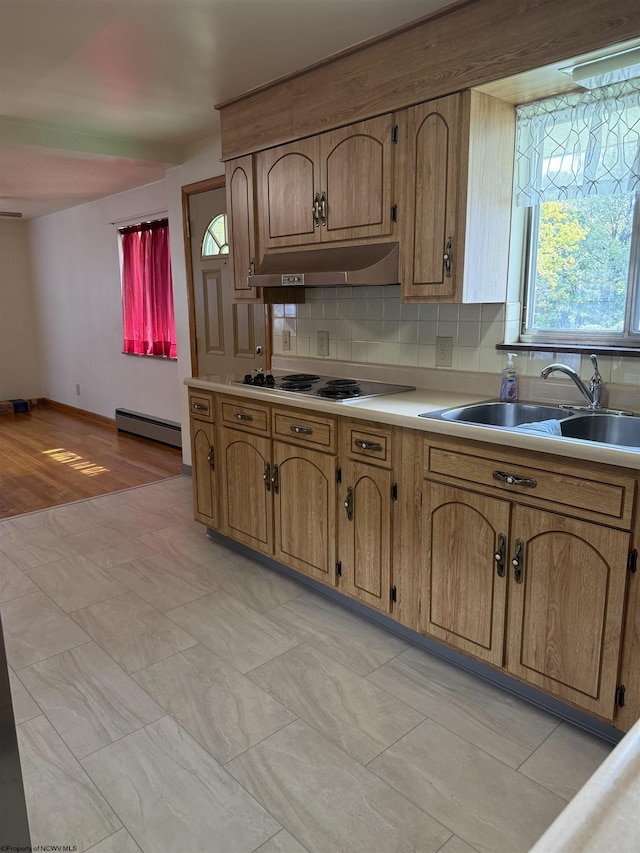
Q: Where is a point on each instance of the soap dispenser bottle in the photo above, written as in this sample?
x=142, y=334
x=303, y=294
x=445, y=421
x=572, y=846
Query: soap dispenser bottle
x=509, y=381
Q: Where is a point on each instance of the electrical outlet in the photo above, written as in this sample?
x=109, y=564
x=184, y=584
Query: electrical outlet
x=323, y=343
x=286, y=341
x=78, y=389
x=444, y=352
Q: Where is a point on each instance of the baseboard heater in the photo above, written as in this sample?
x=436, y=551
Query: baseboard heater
x=158, y=429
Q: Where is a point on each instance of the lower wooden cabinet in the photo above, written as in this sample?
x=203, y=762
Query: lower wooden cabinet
x=304, y=490
x=247, y=508
x=464, y=589
x=566, y=588
x=203, y=456
x=566, y=606
x=365, y=533
x=534, y=578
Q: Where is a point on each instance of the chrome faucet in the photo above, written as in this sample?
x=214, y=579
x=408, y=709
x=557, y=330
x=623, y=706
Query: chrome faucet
x=591, y=394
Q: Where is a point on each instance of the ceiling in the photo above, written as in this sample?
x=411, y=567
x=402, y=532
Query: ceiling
x=99, y=96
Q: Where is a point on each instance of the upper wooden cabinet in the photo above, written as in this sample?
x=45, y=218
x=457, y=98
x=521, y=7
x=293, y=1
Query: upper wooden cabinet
x=241, y=225
x=455, y=174
x=333, y=187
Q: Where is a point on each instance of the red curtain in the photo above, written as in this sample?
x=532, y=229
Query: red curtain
x=147, y=292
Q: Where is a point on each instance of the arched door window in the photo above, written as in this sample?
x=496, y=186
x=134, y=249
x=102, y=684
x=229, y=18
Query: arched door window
x=216, y=240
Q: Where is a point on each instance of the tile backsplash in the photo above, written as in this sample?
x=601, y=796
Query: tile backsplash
x=370, y=325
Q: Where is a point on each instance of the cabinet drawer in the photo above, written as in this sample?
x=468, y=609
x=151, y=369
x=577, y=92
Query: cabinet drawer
x=201, y=405
x=582, y=490
x=301, y=428
x=362, y=442
x=253, y=418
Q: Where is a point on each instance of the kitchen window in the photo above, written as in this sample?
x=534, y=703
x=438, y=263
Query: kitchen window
x=148, y=320
x=578, y=176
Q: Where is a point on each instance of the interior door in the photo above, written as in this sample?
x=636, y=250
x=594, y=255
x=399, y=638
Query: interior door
x=230, y=336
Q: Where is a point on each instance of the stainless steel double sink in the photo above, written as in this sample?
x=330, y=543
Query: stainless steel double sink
x=622, y=430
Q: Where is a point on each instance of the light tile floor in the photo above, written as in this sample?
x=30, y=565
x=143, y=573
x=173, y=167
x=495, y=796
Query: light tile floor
x=172, y=695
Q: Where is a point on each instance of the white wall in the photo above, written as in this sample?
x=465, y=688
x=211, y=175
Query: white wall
x=78, y=305
x=20, y=374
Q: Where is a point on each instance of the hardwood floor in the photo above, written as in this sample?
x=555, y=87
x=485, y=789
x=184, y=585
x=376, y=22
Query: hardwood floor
x=48, y=458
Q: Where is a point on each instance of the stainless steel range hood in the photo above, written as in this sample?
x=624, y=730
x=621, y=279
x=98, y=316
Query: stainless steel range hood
x=375, y=263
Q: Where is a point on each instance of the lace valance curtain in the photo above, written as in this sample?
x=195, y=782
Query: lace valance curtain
x=579, y=144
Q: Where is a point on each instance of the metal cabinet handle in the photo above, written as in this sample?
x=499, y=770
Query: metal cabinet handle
x=252, y=268
x=275, y=479
x=323, y=208
x=499, y=554
x=316, y=210
x=266, y=476
x=211, y=458
x=241, y=416
x=515, y=479
x=447, y=257
x=301, y=430
x=348, y=504
x=368, y=445
x=518, y=562
x=199, y=407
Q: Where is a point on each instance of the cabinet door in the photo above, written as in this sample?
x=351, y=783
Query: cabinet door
x=365, y=533
x=241, y=225
x=357, y=180
x=205, y=492
x=288, y=181
x=463, y=594
x=430, y=204
x=566, y=607
x=247, y=508
x=305, y=510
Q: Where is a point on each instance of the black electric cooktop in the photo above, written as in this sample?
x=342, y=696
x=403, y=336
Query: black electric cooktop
x=313, y=385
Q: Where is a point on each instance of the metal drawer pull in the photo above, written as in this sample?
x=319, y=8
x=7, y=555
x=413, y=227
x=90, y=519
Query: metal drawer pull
x=514, y=479
x=367, y=445
x=499, y=555
x=518, y=562
x=242, y=417
x=200, y=406
x=323, y=208
x=348, y=504
x=448, y=250
x=301, y=430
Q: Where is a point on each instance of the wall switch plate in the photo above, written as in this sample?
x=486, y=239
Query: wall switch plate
x=286, y=341
x=78, y=389
x=444, y=352
x=323, y=343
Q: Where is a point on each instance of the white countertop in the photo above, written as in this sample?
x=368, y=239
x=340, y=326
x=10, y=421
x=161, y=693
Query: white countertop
x=605, y=814
x=403, y=409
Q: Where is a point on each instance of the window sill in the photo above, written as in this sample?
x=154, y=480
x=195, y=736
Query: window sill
x=148, y=355
x=597, y=349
